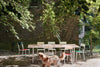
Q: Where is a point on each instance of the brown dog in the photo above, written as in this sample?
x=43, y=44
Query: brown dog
x=48, y=60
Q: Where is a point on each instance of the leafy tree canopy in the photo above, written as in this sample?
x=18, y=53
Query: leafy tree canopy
x=49, y=21
x=88, y=10
x=55, y=14
x=15, y=12
x=92, y=23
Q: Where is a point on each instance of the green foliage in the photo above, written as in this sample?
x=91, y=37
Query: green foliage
x=96, y=50
x=49, y=21
x=54, y=15
x=67, y=7
x=14, y=12
x=93, y=18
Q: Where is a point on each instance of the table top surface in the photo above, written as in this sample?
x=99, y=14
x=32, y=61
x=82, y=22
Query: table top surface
x=66, y=46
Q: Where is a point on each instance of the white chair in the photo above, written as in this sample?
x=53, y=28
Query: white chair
x=22, y=49
x=52, y=43
x=51, y=49
x=40, y=49
x=81, y=51
x=62, y=43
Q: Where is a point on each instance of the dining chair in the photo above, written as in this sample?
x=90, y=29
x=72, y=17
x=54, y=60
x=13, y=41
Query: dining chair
x=51, y=49
x=81, y=51
x=87, y=50
x=62, y=43
x=42, y=48
x=22, y=49
x=68, y=54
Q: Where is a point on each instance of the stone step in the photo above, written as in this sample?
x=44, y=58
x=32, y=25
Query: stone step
x=11, y=66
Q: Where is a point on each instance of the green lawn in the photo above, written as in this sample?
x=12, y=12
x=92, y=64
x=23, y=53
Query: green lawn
x=96, y=50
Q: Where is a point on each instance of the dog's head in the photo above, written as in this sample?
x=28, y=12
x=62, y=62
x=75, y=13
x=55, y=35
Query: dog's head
x=42, y=56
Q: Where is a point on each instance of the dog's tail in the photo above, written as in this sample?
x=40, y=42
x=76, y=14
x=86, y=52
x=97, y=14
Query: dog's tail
x=62, y=57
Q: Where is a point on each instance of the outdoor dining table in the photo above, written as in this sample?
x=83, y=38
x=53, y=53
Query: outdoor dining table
x=47, y=46
x=66, y=46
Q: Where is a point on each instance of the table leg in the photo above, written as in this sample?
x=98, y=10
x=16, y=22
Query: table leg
x=74, y=55
x=33, y=55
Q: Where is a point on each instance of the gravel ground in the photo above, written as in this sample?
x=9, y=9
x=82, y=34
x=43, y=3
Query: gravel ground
x=95, y=62
x=92, y=62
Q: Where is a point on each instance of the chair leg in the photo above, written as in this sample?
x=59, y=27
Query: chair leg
x=67, y=58
x=52, y=51
x=44, y=51
x=71, y=58
x=47, y=50
x=22, y=52
x=80, y=55
x=29, y=51
x=33, y=59
x=25, y=52
x=83, y=56
x=76, y=56
x=19, y=52
x=37, y=50
x=64, y=61
x=55, y=51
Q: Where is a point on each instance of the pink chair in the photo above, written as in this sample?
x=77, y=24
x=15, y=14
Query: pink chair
x=22, y=49
x=68, y=54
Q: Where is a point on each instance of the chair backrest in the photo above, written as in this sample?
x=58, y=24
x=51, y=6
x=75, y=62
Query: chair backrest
x=20, y=46
x=87, y=47
x=40, y=43
x=82, y=45
x=62, y=43
x=52, y=43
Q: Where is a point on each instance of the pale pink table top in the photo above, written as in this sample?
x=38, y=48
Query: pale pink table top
x=66, y=46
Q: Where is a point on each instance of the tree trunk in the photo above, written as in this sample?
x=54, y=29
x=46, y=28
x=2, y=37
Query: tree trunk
x=91, y=48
